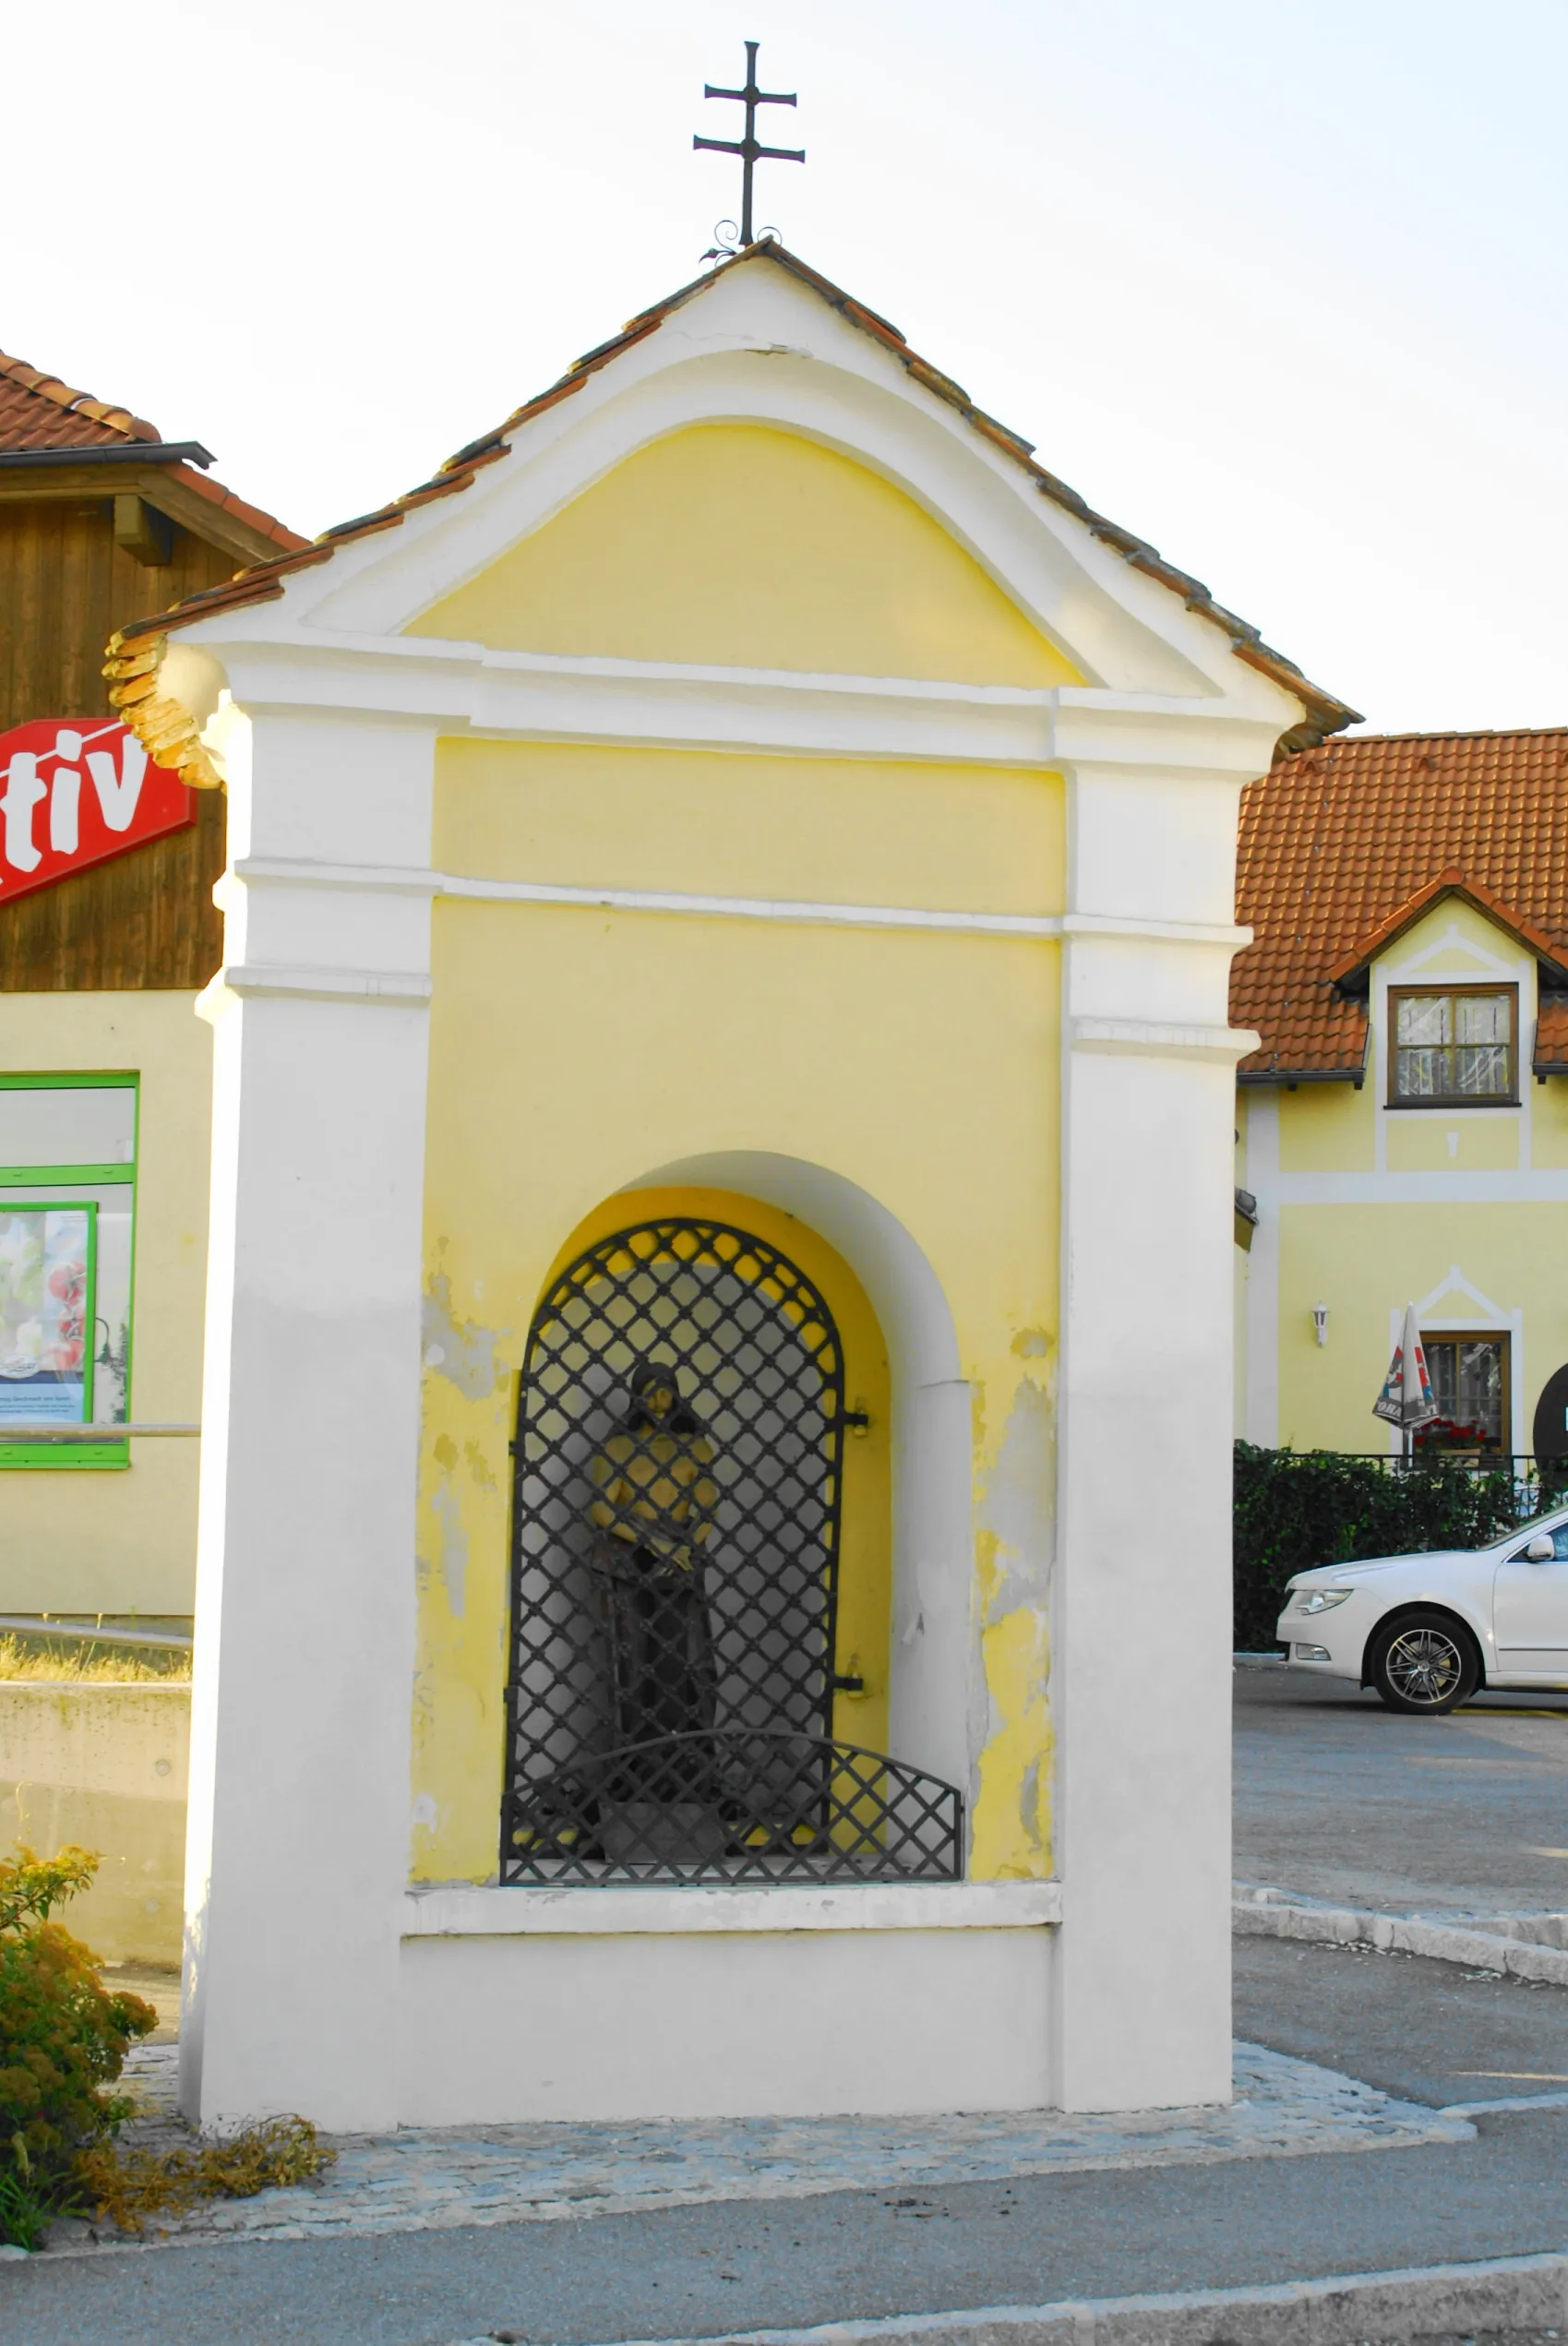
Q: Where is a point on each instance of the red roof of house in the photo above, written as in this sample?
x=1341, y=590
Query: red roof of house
x=1345, y=846
x=39, y=412
x=1325, y=714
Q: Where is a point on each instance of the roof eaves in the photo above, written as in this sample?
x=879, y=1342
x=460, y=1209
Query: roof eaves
x=1451, y=881
x=1325, y=714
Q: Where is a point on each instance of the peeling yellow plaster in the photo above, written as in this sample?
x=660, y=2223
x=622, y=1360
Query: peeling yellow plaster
x=1012, y=1820
x=1012, y=1814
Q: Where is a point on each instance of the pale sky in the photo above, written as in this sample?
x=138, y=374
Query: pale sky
x=1278, y=285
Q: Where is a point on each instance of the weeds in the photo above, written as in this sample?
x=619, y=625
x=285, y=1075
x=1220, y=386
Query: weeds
x=128, y=2186
x=96, y=1658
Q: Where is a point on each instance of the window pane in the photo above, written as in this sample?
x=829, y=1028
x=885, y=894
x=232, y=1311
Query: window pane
x=1480, y=1018
x=1480, y=1070
x=76, y=1125
x=1481, y=1387
x=111, y=1301
x=1467, y=1381
x=45, y=1304
x=1425, y=1018
x=1422, y=1075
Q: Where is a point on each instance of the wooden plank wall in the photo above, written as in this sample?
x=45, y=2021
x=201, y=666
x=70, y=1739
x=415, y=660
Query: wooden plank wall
x=64, y=587
x=147, y=918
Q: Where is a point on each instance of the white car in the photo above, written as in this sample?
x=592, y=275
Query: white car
x=1426, y=1631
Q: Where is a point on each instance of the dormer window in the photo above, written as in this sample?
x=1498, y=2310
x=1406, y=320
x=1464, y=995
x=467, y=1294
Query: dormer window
x=1456, y=1047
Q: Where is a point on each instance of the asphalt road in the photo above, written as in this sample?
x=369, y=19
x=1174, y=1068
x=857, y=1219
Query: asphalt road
x=1333, y=1798
x=1341, y=1798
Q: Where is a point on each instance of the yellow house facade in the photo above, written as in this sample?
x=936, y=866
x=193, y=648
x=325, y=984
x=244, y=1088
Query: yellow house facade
x=1403, y=1132
x=722, y=1118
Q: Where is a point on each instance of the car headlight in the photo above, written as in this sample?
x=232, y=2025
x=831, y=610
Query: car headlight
x=1321, y=1600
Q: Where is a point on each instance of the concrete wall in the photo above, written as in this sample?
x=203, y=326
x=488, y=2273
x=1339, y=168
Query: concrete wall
x=105, y=1765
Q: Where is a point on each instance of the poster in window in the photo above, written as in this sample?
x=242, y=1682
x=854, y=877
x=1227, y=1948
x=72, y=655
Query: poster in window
x=46, y=1304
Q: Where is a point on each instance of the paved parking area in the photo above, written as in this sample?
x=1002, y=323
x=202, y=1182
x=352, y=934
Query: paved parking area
x=1337, y=1798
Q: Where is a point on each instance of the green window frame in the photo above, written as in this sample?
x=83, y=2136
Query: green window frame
x=99, y=1186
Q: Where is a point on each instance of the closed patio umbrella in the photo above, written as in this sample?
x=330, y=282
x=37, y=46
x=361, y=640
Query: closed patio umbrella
x=1406, y=1397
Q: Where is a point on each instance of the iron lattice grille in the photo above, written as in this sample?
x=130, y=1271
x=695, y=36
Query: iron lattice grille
x=676, y=1496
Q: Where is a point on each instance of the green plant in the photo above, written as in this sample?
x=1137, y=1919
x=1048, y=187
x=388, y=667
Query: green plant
x=64, y=2038
x=1293, y=1510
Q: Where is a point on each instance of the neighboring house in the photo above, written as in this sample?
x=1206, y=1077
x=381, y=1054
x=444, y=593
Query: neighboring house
x=107, y=931
x=1403, y=1131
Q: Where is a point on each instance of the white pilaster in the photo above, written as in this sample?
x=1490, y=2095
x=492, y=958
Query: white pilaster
x=1142, y=1597
x=297, y=1848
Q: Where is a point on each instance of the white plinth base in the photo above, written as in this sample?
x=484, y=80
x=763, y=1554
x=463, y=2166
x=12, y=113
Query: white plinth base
x=588, y=2003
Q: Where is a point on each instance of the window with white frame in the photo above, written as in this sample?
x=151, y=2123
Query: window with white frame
x=67, y=1212
x=1453, y=1047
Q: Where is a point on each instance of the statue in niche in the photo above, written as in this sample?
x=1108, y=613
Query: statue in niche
x=652, y=1517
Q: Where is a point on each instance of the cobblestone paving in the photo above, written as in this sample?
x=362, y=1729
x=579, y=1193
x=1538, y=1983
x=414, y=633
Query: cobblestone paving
x=440, y=2177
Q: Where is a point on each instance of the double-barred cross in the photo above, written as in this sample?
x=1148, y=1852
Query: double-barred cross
x=748, y=148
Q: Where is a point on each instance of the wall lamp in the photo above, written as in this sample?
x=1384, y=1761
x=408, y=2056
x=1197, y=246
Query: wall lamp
x=1320, y=1321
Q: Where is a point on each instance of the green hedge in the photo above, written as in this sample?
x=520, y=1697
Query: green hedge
x=1293, y=1510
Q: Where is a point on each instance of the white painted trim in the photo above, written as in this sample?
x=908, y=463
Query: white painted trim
x=587, y=1909
x=397, y=989
x=463, y=688
x=1151, y=1038
x=274, y=871
x=1488, y=1314
x=1516, y=970
x=302, y=871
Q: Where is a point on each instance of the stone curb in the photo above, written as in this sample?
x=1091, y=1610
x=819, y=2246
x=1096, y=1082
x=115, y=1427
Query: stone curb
x=1444, y=1942
x=1506, y=2292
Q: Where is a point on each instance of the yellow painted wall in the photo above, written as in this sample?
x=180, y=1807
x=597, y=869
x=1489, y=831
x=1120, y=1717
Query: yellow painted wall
x=1327, y=1127
x=125, y=1541
x=841, y=830
x=1363, y=1258
x=1548, y=1123
x=574, y=1052
x=740, y=546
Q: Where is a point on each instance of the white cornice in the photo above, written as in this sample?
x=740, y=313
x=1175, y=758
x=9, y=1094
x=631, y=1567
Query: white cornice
x=1154, y=1038
x=261, y=871
x=462, y=689
x=388, y=989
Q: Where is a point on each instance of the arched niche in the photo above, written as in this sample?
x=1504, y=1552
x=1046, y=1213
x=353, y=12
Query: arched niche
x=932, y=1663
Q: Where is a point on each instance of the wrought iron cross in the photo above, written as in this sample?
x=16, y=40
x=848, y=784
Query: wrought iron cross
x=748, y=150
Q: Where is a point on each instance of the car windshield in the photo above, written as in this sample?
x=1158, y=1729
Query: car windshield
x=1547, y=1522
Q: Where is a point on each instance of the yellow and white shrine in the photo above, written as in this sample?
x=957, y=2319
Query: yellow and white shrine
x=713, y=1568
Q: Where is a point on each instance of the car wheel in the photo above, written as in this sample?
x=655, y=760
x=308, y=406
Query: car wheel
x=1425, y=1663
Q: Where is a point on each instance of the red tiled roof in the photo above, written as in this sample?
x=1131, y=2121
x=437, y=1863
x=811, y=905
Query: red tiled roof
x=1551, y=1035
x=1346, y=845
x=126, y=655
x=39, y=411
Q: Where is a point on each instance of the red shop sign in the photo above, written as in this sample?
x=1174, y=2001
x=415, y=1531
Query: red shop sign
x=74, y=791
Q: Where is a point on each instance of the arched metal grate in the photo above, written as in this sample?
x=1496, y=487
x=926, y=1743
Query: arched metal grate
x=676, y=1497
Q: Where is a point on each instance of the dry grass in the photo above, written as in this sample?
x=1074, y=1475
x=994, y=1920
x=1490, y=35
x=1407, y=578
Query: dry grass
x=96, y=1658
x=130, y=2185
